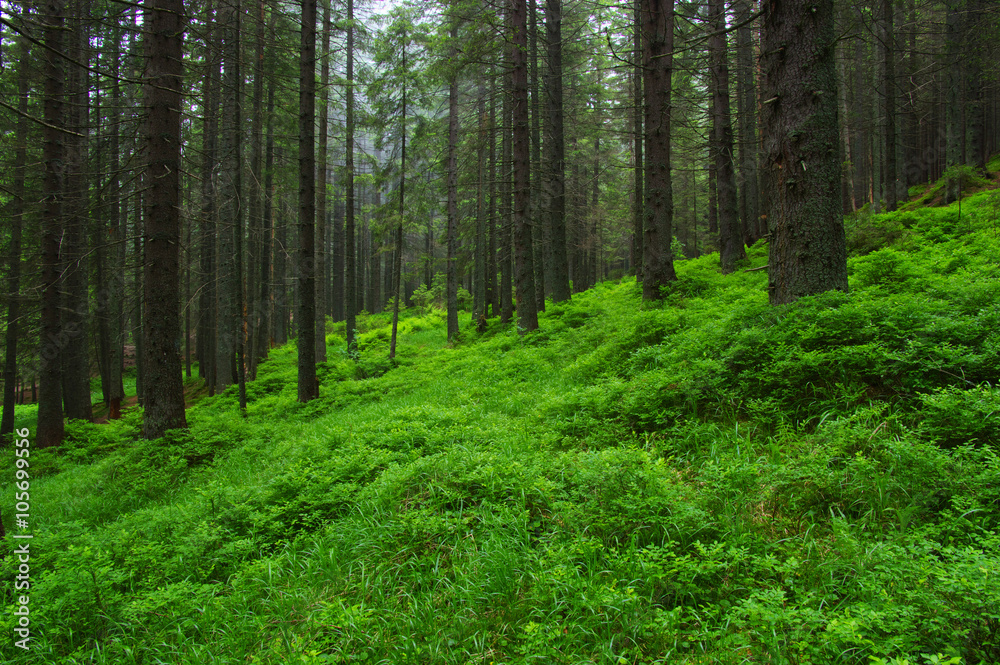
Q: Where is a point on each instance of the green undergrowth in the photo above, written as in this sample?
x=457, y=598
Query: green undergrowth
x=704, y=480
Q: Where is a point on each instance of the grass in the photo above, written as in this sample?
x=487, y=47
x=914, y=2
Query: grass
x=705, y=480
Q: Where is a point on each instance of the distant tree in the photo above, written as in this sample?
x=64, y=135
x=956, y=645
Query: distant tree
x=801, y=156
x=730, y=233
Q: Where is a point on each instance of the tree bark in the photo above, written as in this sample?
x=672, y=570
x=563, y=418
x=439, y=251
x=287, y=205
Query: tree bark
x=323, y=175
x=555, y=155
x=730, y=234
x=527, y=310
x=16, y=224
x=452, y=169
x=306, y=319
x=163, y=386
x=799, y=122
x=50, y=409
x=350, y=271
x=658, y=46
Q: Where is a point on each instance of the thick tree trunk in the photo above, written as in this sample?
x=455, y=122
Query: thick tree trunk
x=658, y=47
x=163, y=386
x=799, y=122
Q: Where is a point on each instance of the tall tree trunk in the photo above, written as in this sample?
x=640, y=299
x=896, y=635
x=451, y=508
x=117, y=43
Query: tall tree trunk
x=16, y=224
x=658, y=47
x=50, y=411
x=799, y=122
x=730, y=234
x=323, y=178
x=230, y=210
x=479, y=277
x=397, y=260
x=638, y=138
x=555, y=155
x=76, y=372
x=524, y=284
x=540, y=233
x=308, y=388
x=746, y=102
x=492, y=289
x=955, y=140
x=207, y=312
x=892, y=193
x=506, y=267
x=116, y=213
x=163, y=385
x=452, y=274
x=255, y=269
x=350, y=271
x=265, y=302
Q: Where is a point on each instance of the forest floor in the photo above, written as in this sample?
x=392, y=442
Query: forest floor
x=704, y=480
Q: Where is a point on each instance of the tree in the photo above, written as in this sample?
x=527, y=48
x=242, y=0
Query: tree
x=16, y=223
x=555, y=155
x=730, y=235
x=452, y=175
x=799, y=122
x=658, y=44
x=164, y=386
x=307, y=386
x=524, y=271
x=50, y=410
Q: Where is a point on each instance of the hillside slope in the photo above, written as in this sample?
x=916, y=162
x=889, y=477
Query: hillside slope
x=710, y=480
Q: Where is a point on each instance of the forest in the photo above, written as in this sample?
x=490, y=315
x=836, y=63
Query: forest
x=536, y=331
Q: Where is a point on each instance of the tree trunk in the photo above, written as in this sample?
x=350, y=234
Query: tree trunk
x=892, y=193
x=207, y=313
x=16, y=224
x=50, y=411
x=658, y=46
x=163, y=386
x=506, y=278
x=350, y=272
x=799, y=122
x=452, y=270
x=746, y=102
x=76, y=372
x=730, y=234
x=323, y=176
x=308, y=388
x=638, y=169
x=255, y=268
x=555, y=155
x=527, y=311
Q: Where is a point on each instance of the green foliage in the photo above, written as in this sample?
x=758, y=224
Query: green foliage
x=706, y=479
